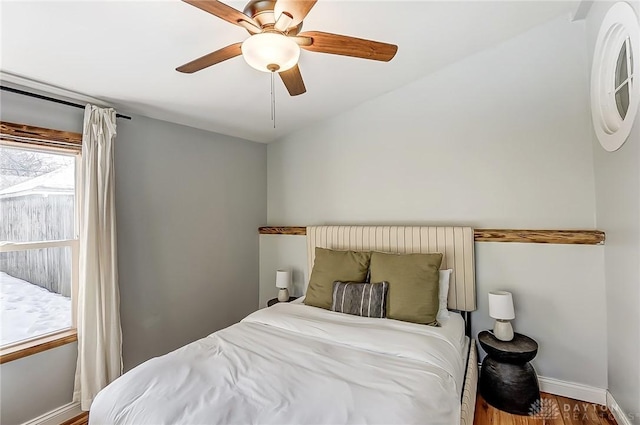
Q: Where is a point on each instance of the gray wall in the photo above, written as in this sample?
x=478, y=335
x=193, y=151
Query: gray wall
x=37, y=384
x=188, y=205
x=498, y=139
x=618, y=212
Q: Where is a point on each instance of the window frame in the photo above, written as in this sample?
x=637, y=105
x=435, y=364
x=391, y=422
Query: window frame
x=60, y=142
x=619, y=28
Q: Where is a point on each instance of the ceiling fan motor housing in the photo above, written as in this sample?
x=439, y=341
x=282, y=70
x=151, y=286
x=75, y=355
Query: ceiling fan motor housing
x=262, y=12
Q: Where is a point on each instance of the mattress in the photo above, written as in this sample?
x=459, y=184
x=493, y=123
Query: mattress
x=296, y=364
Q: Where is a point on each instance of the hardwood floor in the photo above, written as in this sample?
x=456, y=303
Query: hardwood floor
x=559, y=411
x=556, y=410
x=81, y=419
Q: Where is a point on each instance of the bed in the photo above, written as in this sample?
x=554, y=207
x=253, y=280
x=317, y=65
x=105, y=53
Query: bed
x=297, y=364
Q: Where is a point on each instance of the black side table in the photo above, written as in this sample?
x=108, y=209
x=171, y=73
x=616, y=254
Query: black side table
x=273, y=301
x=507, y=380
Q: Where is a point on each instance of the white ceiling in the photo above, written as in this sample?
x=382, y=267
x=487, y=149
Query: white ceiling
x=126, y=52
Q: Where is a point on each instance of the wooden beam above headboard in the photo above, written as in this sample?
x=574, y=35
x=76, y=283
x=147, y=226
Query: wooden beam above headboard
x=567, y=237
x=292, y=230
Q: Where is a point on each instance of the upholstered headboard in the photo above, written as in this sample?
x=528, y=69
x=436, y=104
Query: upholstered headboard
x=455, y=243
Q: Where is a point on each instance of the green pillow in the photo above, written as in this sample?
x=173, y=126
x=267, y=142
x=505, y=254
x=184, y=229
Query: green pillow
x=413, y=285
x=331, y=266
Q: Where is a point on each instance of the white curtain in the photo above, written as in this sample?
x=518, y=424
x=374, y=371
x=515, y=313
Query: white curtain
x=98, y=314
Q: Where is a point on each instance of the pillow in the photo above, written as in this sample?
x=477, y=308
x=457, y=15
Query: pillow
x=413, y=285
x=443, y=295
x=360, y=299
x=331, y=266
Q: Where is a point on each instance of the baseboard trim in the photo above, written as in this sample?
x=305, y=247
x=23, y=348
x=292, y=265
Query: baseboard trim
x=573, y=390
x=57, y=416
x=617, y=412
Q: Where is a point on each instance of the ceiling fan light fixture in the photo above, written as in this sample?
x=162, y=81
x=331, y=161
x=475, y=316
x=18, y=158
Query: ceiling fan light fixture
x=270, y=52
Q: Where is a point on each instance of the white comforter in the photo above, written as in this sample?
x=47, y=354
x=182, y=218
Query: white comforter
x=295, y=364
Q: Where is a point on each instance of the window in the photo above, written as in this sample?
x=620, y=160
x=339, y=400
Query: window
x=38, y=240
x=624, y=78
x=614, y=91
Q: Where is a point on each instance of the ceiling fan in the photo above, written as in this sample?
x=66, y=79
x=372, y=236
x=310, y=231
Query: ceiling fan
x=275, y=41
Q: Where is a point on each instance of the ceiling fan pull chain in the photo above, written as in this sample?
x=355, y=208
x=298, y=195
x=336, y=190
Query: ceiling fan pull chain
x=273, y=99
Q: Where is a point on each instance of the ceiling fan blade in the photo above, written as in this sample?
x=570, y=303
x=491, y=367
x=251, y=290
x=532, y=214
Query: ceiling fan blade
x=292, y=80
x=227, y=13
x=335, y=44
x=297, y=9
x=213, y=58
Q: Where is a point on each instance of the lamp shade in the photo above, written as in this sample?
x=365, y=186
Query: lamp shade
x=501, y=305
x=283, y=279
x=270, y=52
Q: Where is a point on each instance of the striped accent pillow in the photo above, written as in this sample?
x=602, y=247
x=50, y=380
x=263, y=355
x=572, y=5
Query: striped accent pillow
x=360, y=299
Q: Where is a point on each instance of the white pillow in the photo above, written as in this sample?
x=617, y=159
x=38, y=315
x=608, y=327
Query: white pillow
x=443, y=284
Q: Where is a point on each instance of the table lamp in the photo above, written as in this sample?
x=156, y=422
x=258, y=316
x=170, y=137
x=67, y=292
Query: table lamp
x=501, y=309
x=283, y=281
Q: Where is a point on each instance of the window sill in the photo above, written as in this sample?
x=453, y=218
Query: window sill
x=38, y=345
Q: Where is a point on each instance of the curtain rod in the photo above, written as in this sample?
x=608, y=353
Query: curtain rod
x=51, y=99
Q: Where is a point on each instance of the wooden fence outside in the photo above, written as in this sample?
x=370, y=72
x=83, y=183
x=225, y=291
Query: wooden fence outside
x=38, y=218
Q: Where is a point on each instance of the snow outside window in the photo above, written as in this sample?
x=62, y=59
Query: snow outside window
x=38, y=242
